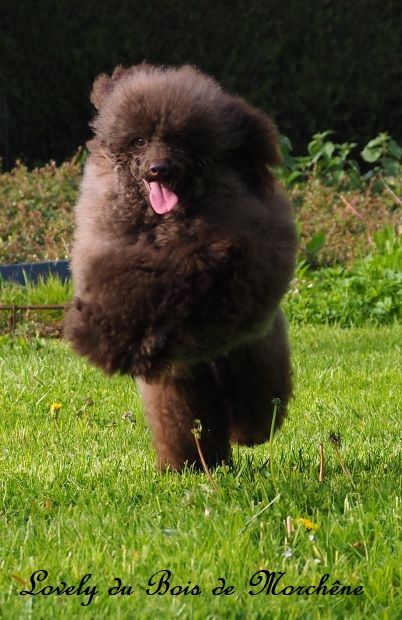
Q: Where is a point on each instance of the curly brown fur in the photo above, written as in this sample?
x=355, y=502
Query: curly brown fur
x=183, y=250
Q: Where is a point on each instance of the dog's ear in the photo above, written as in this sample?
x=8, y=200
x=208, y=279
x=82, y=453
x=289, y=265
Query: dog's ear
x=254, y=132
x=103, y=85
x=101, y=88
x=255, y=143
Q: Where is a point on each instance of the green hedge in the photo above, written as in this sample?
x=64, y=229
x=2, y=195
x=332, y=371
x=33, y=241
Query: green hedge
x=312, y=63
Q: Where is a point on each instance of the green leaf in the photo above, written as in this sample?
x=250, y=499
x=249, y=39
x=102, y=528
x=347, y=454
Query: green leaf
x=392, y=168
x=380, y=140
x=371, y=154
x=394, y=150
x=328, y=149
x=316, y=243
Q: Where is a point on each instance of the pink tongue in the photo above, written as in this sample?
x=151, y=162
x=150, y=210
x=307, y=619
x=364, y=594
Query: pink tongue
x=161, y=198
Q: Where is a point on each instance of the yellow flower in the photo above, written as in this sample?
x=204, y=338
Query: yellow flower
x=55, y=408
x=309, y=525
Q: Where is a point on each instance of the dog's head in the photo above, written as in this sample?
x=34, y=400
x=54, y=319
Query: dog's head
x=165, y=127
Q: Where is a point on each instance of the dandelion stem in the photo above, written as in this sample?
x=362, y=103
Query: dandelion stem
x=335, y=442
x=196, y=431
x=276, y=402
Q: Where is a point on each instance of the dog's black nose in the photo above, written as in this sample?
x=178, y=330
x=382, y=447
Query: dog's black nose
x=160, y=168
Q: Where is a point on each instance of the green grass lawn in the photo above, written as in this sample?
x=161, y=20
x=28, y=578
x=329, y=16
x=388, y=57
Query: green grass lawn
x=79, y=493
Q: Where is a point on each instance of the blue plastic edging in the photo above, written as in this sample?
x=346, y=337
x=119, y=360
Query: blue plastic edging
x=23, y=272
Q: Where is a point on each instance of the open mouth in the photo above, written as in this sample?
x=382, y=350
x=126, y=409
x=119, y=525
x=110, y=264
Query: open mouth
x=161, y=198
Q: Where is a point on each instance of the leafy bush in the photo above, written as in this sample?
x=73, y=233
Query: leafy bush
x=338, y=208
x=385, y=153
x=368, y=292
x=325, y=160
x=335, y=227
x=36, y=211
x=330, y=163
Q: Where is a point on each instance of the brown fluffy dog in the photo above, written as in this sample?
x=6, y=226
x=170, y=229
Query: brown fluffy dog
x=183, y=249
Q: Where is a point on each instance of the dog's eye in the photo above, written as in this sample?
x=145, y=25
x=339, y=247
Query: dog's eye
x=139, y=142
